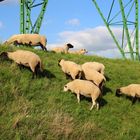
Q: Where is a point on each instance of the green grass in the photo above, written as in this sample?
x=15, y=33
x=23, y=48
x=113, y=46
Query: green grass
x=39, y=109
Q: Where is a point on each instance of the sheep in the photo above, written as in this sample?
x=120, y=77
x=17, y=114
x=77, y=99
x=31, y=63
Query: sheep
x=81, y=51
x=86, y=88
x=132, y=90
x=63, y=49
x=70, y=68
x=96, y=66
x=28, y=39
x=24, y=58
x=94, y=76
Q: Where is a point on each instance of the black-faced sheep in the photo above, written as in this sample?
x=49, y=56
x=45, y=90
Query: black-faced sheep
x=132, y=90
x=28, y=39
x=81, y=51
x=70, y=68
x=96, y=66
x=86, y=88
x=94, y=76
x=25, y=58
x=63, y=49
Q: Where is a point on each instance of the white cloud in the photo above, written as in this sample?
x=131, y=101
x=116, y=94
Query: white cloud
x=73, y=22
x=97, y=41
x=7, y=2
x=109, y=53
x=93, y=39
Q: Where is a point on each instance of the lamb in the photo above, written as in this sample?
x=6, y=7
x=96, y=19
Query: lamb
x=94, y=76
x=24, y=58
x=81, y=51
x=86, y=88
x=96, y=66
x=63, y=49
x=70, y=68
x=28, y=39
x=132, y=90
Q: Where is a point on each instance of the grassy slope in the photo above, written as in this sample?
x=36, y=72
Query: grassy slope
x=39, y=109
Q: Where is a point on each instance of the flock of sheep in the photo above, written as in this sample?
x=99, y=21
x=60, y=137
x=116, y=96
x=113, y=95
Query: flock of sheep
x=40, y=40
x=88, y=79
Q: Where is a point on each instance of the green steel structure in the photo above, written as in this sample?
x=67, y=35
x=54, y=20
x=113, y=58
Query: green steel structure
x=127, y=17
x=27, y=25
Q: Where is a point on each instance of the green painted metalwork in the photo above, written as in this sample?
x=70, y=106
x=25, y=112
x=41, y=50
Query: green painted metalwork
x=37, y=25
x=131, y=39
x=137, y=28
x=26, y=22
x=22, y=16
x=126, y=29
x=110, y=31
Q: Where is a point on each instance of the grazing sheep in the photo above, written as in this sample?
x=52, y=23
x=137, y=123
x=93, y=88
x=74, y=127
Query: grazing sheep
x=132, y=90
x=96, y=66
x=25, y=58
x=63, y=49
x=70, y=68
x=94, y=76
x=81, y=51
x=28, y=39
x=86, y=88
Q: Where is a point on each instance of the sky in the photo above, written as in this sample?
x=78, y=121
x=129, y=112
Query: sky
x=67, y=21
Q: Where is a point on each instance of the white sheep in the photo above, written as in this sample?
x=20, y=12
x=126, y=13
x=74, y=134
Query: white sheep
x=86, y=88
x=96, y=66
x=94, y=76
x=132, y=90
x=81, y=51
x=25, y=58
x=70, y=68
x=63, y=49
x=28, y=39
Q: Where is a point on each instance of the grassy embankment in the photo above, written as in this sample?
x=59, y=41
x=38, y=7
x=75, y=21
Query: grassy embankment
x=39, y=109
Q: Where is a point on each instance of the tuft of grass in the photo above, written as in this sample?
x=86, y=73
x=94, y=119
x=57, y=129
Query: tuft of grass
x=39, y=109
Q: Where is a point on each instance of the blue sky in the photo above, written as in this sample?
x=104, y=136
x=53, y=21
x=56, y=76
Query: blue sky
x=74, y=21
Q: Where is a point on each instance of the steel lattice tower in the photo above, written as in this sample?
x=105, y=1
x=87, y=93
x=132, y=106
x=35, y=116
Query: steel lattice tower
x=126, y=17
x=26, y=22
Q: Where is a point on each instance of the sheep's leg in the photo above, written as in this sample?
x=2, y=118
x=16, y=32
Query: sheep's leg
x=78, y=97
x=33, y=71
x=134, y=100
x=93, y=104
x=43, y=47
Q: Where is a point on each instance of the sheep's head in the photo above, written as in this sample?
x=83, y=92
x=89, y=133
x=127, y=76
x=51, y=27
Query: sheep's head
x=70, y=45
x=83, y=51
x=118, y=92
x=4, y=56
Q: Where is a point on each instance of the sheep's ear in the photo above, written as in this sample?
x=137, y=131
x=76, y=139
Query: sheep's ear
x=70, y=45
